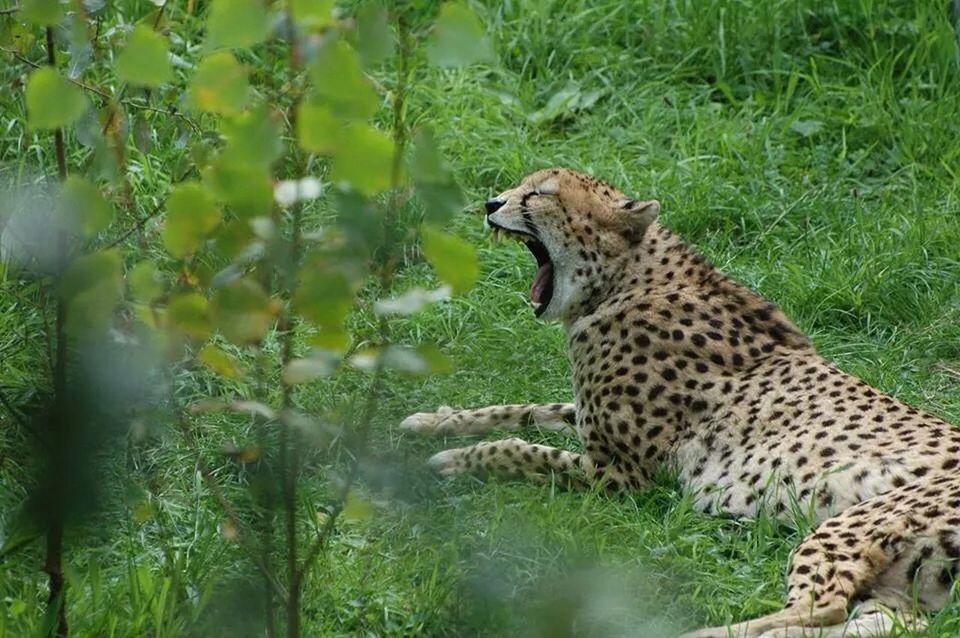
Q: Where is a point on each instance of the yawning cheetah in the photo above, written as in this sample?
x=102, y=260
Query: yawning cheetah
x=675, y=364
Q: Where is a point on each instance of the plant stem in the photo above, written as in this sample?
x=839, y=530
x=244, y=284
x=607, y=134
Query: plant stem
x=53, y=564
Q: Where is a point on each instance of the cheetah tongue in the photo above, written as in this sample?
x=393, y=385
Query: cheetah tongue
x=542, y=286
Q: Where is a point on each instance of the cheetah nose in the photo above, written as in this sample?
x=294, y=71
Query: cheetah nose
x=493, y=205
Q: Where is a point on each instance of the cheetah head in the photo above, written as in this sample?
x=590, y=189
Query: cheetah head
x=580, y=231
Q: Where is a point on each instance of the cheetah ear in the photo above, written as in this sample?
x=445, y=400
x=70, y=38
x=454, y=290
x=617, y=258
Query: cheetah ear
x=637, y=216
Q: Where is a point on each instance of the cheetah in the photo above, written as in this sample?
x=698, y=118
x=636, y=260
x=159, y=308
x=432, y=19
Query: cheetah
x=675, y=364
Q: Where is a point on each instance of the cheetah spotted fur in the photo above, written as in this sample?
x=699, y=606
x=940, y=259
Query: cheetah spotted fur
x=675, y=364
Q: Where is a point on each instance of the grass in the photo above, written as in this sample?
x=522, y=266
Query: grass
x=808, y=148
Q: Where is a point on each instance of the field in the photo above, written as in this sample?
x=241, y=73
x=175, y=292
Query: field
x=809, y=149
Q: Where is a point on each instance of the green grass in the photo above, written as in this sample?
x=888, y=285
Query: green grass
x=810, y=149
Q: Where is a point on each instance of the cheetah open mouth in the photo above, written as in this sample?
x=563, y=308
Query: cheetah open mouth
x=541, y=290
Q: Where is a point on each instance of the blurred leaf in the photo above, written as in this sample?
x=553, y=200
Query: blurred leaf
x=453, y=259
x=92, y=287
x=234, y=237
x=187, y=313
x=433, y=180
x=318, y=131
x=253, y=408
x=807, y=128
x=246, y=188
x=228, y=529
x=144, y=61
x=242, y=311
x=23, y=528
x=364, y=158
x=144, y=282
x=219, y=85
x=423, y=360
x=253, y=137
x=52, y=101
x=320, y=363
x=143, y=511
x=313, y=14
x=237, y=23
x=324, y=297
x=83, y=207
x=375, y=40
x=564, y=103
x=458, y=38
x=411, y=301
x=357, y=508
x=243, y=455
x=191, y=214
x=221, y=362
x=290, y=191
x=42, y=12
x=89, y=271
x=339, y=82
x=143, y=135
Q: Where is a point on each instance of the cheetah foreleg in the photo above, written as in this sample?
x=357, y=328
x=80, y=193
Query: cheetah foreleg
x=446, y=420
x=515, y=458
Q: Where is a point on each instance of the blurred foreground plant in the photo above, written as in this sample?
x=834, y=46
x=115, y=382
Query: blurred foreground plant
x=300, y=189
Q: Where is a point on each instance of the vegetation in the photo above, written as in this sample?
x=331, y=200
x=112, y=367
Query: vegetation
x=207, y=407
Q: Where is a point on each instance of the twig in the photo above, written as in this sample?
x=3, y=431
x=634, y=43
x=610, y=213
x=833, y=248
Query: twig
x=9, y=10
x=950, y=371
x=138, y=226
x=128, y=102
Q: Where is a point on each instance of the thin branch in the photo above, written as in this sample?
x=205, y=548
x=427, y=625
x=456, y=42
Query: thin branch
x=128, y=102
x=136, y=227
x=9, y=10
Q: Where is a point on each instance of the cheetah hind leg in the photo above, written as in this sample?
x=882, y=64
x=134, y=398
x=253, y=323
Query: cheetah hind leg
x=800, y=617
x=446, y=420
x=871, y=619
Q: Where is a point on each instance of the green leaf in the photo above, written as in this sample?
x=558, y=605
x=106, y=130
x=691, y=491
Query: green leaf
x=324, y=297
x=144, y=282
x=223, y=363
x=89, y=271
x=339, y=82
x=364, y=158
x=313, y=14
x=246, y=188
x=42, y=12
x=434, y=182
x=191, y=214
x=357, y=508
x=219, y=85
x=237, y=23
x=187, y=314
x=318, y=131
x=458, y=38
x=375, y=40
x=52, y=101
x=91, y=287
x=242, y=311
x=253, y=137
x=83, y=208
x=145, y=60
x=454, y=259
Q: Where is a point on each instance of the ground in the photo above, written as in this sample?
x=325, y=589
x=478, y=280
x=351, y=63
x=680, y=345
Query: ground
x=784, y=141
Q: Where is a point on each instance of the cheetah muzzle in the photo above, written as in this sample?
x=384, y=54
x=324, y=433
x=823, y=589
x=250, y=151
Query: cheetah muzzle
x=541, y=290
x=676, y=365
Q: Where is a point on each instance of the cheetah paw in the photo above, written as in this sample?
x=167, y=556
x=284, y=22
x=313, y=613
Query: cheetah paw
x=427, y=422
x=447, y=463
